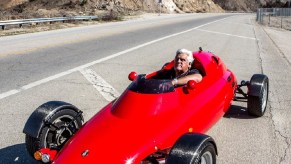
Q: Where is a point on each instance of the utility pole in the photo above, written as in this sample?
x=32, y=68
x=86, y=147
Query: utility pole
x=160, y=6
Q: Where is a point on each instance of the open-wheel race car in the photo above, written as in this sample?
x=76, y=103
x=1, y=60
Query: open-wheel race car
x=151, y=122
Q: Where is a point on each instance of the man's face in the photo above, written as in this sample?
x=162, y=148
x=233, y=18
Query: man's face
x=181, y=63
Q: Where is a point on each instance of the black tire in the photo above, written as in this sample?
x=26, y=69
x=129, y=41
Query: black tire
x=207, y=155
x=188, y=150
x=62, y=125
x=258, y=95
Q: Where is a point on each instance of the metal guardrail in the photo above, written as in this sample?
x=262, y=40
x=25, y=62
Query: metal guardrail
x=263, y=12
x=277, y=17
x=21, y=22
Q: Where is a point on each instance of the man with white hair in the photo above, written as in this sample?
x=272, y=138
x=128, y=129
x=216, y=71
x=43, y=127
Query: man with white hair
x=182, y=72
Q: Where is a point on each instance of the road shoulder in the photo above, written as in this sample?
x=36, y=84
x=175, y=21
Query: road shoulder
x=274, y=50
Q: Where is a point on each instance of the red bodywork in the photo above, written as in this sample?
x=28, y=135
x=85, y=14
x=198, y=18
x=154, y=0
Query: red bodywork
x=136, y=125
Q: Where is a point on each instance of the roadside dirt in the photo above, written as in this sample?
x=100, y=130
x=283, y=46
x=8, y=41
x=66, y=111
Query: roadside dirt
x=15, y=30
x=278, y=22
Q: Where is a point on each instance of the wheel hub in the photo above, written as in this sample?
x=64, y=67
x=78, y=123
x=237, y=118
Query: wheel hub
x=264, y=99
x=206, y=158
x=63, y=134
x=60, y=131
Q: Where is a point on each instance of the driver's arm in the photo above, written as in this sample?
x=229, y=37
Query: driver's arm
x=183, y=80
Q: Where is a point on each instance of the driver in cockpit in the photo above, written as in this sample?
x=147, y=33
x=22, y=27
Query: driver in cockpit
x=182, y=71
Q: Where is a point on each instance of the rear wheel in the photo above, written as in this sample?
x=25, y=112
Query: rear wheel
x=257, y=103
x=56, y=132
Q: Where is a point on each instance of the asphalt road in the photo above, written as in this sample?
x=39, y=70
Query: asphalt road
x=36, y=68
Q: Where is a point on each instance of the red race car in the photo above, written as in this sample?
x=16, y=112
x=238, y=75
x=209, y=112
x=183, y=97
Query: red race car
x=151, y=122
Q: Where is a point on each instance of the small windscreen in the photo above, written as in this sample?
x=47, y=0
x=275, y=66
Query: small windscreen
x=151, y=86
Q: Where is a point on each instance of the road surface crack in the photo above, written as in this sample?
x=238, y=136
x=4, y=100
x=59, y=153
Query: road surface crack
x=258, y=50
x=104, y=88
x=110, y=93
x=285, y=138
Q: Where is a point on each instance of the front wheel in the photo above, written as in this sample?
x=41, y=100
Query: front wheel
x=193, y=149
x=57, y=130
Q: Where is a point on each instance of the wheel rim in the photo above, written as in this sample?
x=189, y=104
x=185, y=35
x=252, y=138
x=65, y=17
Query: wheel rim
x=60, y=131
x=264, y=98
x=206, y=158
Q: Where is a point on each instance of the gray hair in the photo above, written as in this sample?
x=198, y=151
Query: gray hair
x=187, y=52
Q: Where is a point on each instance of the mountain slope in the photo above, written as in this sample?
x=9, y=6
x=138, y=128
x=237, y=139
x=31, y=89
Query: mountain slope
x=13, y=9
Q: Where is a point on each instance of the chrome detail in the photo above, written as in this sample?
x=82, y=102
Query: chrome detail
x=45, y=158
x=85, y=153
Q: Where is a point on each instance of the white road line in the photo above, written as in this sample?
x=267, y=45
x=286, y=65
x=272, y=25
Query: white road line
x=245, y=37
x=105, y=89
x=9, y=93
x=45, y=80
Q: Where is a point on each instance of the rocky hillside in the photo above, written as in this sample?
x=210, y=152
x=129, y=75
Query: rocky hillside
x=20, y=9
x=50, y=8
x=249, y=5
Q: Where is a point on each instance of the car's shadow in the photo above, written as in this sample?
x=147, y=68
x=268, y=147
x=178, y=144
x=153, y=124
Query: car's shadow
x=16, y=154
x=238, y=112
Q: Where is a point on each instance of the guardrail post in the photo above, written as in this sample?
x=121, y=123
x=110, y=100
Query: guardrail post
x=258, y=14
x=281, y=21
x=3, y=27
